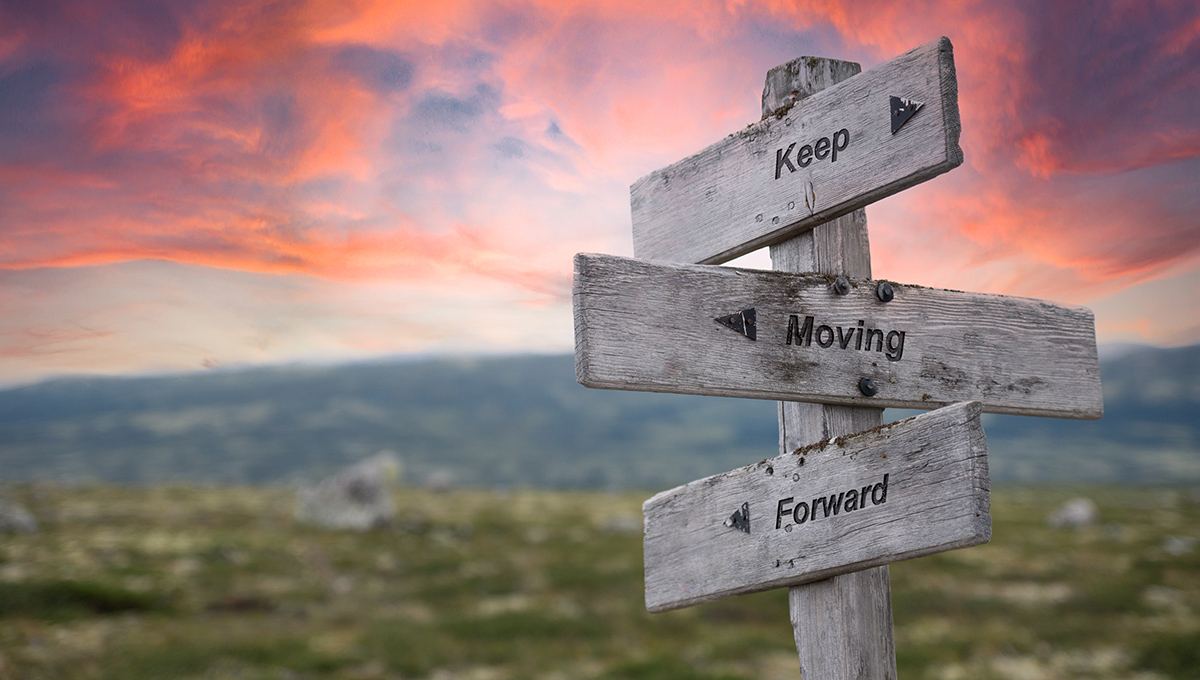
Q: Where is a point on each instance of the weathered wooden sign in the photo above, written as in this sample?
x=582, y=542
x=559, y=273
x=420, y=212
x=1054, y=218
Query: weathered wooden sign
x=732, y=332
x=827, y=518
x=854, y=143
x=915, y=487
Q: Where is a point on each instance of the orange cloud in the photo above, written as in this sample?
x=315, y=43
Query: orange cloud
x=376, y=140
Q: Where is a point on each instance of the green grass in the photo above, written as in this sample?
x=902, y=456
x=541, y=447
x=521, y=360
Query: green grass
x=1174, y=655
x=56, y=600
x=173, y=582
x=662, y=668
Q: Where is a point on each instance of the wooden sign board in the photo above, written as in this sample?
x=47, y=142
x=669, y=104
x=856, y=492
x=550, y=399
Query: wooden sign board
x=831, y=153
x=724, y=331
x=912, y=488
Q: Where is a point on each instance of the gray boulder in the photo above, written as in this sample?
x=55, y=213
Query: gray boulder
x=1179, y=546
x=15, y=519
x=1076, y=513
x=357, y=498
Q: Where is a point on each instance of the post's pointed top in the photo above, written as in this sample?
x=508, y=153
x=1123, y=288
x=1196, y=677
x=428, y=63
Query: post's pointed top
x=801, y=77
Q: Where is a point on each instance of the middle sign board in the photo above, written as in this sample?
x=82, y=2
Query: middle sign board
x=724, y=331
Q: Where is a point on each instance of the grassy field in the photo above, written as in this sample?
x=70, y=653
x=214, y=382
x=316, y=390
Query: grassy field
x=167, y=582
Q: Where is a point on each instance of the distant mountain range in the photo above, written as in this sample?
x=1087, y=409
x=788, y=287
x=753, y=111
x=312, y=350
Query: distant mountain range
x=524, y=421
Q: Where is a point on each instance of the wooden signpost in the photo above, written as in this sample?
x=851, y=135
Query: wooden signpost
x=846, y=496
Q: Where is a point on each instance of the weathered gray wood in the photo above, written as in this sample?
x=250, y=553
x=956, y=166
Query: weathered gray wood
x=650, y=326
x=842, y=624
x=928, y=492
x=726, y=201
x=801, y=423
x=801, y=78
x=839, y=246
x=831, y=620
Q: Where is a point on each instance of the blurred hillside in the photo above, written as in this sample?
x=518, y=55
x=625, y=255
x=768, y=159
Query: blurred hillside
x=524, y=421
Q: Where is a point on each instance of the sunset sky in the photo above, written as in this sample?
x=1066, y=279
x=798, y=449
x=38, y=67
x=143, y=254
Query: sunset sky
x=209, y=183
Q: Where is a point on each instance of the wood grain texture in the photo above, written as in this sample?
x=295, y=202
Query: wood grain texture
x=842, y=624
x=839, y=246
x=726, y=201
x=928, y=492
x=802, y=423
x=801, y=78
x=830, y=619
x=650, y=326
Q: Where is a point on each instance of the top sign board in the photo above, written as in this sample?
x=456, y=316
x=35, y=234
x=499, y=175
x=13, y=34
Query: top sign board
x=865, y=138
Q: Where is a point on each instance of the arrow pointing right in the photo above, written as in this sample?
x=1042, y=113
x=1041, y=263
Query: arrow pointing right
x=903, y=108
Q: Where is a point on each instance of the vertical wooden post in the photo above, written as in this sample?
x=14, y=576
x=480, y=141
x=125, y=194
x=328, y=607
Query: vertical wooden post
x=843, y=625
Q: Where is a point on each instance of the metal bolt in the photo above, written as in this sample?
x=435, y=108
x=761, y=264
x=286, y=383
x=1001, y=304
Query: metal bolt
x=867, y=387
x=884, y=292
x=841, y=285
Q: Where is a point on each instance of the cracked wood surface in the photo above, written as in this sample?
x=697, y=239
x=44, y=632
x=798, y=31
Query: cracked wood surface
x=936, y=498
x=725, y=201
x=651, y=326
x=842, y=624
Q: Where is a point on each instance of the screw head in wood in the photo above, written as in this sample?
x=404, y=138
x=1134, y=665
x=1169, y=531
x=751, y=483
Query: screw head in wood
x=884, y=292
x=867, y=387
x=841, y=285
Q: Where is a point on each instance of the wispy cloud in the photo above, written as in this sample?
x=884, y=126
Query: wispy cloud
x=477, y=144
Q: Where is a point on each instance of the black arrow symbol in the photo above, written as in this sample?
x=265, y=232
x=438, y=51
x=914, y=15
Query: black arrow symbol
x=903, y=108
x=740, y=519
x=742, y=322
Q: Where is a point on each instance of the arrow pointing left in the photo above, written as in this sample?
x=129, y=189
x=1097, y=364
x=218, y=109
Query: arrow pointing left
x=742, y=322
x=740, y=519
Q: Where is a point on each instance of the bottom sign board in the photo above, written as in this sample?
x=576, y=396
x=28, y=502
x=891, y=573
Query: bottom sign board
x=911, y=488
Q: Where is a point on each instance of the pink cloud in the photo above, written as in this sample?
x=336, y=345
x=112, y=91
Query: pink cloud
x=411, y=143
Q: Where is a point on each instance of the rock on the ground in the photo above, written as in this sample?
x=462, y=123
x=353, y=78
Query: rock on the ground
x=1076, y=513
x=1179, y=546
x=358, y=498
x=15, y=519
